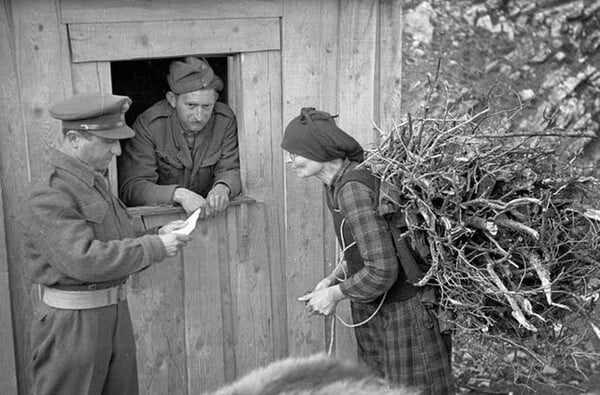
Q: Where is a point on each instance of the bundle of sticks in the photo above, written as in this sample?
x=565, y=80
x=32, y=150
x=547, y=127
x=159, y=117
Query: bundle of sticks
x=507, y=227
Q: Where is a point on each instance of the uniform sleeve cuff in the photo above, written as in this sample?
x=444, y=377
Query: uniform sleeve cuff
x=155, y=248
x=224, y=183
x=164, y=194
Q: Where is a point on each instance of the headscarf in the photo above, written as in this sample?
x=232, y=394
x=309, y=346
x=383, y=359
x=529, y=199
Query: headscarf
x=314, y=135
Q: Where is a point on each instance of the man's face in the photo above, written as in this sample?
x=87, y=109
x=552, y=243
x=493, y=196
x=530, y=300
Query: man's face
x=98, y=151
x=194, y=108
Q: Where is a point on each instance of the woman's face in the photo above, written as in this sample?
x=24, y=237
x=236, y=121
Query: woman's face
x=304, y=167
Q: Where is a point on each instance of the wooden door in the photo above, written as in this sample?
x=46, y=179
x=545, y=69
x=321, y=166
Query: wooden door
x=204, y=317
x=215, y=311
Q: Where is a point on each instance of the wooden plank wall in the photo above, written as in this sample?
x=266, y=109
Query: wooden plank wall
x=8, y=370
x=358, y=57
x=356, y=93
x=35, y=53
x=342, y=56
x=92, y=11
x=258, y=109
x=309, y=63
x=12, y=189
x=95, y=77
x=208, y=308
x=133, y=40
x=250, y=284
x=389, y=77
x=204, y=318
x=228, y=269
x=11, y=134
x=156, y=302
x=351, y=68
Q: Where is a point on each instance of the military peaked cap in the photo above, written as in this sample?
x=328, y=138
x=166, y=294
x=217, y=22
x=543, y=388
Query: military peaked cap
x=99, y=114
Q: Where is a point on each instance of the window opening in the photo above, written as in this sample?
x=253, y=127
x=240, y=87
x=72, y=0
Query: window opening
x=145, y=81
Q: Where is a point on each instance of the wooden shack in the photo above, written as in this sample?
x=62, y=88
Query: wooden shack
x=227, y=304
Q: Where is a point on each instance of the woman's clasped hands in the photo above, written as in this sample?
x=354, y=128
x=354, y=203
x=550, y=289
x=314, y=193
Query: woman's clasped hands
x=323, y=299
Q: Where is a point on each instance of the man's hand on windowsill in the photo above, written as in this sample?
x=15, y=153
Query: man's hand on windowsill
x=190, y=201
x=218, y=197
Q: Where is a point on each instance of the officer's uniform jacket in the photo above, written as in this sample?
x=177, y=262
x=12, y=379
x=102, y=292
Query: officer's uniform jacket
x=157, y=160
x=79, y=233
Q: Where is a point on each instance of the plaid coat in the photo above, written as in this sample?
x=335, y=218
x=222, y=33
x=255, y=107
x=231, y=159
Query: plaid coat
x=402, y=342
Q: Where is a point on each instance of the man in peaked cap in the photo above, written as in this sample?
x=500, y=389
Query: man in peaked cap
x=81, y=247
x=185, y=150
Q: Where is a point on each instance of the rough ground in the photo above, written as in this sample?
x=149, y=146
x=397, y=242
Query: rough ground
x=540, y=62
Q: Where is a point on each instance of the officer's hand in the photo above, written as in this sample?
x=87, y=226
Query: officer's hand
x=218, y=197
x=171, y=226
x=173, y=242
x=190, y=201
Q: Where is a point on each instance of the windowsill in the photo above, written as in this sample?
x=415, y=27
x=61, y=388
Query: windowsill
x=158, y=210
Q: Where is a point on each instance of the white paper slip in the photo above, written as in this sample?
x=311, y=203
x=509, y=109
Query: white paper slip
x=190, y=224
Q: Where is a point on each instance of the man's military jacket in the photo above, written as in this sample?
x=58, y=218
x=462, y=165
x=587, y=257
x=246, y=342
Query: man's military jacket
x=79, y=233
x=158, y=160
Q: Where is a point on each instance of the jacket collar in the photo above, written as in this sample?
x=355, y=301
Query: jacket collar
x=184, y=154
x=74, y=166
x=346, y=164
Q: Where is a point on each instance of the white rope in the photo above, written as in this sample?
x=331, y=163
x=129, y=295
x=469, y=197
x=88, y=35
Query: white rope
x=332, y=340
x=340, y=263
x=366, y=320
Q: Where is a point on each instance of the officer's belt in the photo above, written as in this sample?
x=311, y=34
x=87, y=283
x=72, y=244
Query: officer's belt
x=84, y=299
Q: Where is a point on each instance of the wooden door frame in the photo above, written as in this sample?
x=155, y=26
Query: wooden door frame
x=8, y=370
x=255, y=94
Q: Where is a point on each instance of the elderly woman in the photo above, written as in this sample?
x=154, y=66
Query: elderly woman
x=397, y=336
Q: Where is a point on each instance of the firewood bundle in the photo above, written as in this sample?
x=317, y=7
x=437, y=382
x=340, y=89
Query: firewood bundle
x=507, y=227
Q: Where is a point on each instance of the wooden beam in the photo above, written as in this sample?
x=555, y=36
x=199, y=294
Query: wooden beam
x=156, y=210
x=156, y=302
x=358, y=45
x=136, y=40
x=8, y=370
x=390, y=64
x=91, y=77
x=257, y=97
x=44, y=76
x=207, y=306
x=309, y=63
x=250, y=263
x=95, y=77
x=357, y=95
x=93, y=11
x=34, y=74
